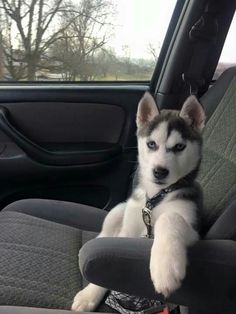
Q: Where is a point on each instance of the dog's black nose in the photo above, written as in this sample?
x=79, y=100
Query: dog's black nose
x=160, y=173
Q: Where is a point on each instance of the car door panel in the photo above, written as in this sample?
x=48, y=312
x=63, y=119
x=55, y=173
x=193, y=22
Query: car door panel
x=88, y=135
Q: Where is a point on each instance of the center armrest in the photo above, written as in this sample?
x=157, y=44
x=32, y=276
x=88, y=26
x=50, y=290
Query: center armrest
x=122, y=264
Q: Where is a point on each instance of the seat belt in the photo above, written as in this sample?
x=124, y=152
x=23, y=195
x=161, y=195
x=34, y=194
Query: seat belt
x=202, y=37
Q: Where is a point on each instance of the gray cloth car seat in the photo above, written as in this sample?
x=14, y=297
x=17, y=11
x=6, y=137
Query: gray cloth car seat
x=39, y=245
x=218, y=169
x=39, y=257
x=40, y=239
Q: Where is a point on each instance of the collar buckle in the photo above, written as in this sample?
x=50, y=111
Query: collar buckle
x=147, y=216
x=154, y=201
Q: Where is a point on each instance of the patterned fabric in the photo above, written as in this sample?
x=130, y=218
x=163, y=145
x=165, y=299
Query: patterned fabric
x=39, y=261
x=218, y=168
x=128, y=304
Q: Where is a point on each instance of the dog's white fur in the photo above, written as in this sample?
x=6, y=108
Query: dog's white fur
x=172, y=219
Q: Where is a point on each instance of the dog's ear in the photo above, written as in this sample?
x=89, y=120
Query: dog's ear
x=192, y=112
x=147, y=110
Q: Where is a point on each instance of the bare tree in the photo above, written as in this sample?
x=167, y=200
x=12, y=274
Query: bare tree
x=154, y=51
x=89, y=29
x=30, y=28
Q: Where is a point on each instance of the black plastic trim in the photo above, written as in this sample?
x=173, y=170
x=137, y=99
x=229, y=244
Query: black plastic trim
x=76, y=83
x=166, y=43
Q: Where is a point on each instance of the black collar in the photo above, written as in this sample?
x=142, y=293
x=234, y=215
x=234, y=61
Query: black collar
x=156, y=199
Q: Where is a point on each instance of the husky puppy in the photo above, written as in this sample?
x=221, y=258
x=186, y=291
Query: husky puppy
x=166, y=201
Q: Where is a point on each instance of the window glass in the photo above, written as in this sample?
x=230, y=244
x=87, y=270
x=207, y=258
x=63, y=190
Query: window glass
x=81, y=40
x=228, y=55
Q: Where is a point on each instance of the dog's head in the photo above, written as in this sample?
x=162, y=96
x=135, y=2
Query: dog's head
x=169, y=142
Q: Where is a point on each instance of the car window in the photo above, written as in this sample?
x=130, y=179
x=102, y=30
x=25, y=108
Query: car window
x=81, y=40
x=228, y=55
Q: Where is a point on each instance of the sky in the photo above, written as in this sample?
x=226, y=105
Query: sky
x=141, y=22
x=229, y=51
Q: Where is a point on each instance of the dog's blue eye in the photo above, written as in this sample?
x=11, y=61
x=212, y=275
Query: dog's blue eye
x=179, y=147
x=152, y=145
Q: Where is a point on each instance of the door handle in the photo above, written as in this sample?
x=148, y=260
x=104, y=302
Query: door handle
x=102, y=153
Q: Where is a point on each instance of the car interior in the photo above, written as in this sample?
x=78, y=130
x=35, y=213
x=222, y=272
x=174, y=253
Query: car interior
x=68, y=155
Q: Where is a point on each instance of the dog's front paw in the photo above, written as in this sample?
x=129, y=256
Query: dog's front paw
x=168, y=268
x=83, y=301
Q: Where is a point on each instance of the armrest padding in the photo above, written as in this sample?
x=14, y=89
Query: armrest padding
x=122, y=264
